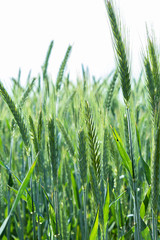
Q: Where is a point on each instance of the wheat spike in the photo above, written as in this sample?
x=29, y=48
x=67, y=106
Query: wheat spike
x=150, y=84
x=93, y=141
x=62, y=68
x=123, y=65
x=45, y=65
x=108, y=99
x=82, y=156
x=17, y=116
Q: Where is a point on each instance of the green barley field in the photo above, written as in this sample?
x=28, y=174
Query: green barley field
x=81, y=160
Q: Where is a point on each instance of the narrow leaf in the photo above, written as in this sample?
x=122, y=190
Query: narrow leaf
x=18, y=197
x=117, y=199
x=144, y=164
x=106, y=207
x=145, y=203
x=125, y=158
x=75, y=190
x=52, y=214
x=94, y=230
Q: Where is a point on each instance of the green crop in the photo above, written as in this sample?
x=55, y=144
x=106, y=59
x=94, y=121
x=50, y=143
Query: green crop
x=78, y=162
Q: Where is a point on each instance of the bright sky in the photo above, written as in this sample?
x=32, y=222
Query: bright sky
x=27, y=28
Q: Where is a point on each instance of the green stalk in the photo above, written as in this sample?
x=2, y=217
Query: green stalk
x=82, y=157
x=154, y=226
x=23, y=203
x=10, y=165
x=85, y=212
x=38, y=210
x=155, y=181
x=137, y=233
x=33, y=214
x=9, y=222
x=31, y=187
x=1, y=195
x=56, y=211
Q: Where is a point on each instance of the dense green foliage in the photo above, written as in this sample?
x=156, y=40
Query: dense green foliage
x=76, y=162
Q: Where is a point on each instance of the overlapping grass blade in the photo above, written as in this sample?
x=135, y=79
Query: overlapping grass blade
x=106, y=208
x=93, y=234
x=75, y=191
x=145, y=203
x=144, y=164
x=125, y=158
x=52, y=214
x=18, y=197
x=123, y=185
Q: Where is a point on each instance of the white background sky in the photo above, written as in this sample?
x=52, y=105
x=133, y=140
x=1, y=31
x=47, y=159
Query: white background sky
x=27, y=28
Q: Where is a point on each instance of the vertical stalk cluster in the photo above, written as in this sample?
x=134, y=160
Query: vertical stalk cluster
x=74, y=193
x=151, y=65
x=124, y=73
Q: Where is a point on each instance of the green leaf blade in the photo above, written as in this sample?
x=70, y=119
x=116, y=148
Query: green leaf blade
x=93, y=234
x=19, y=195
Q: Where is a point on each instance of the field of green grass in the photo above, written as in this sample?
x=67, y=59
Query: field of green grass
x=76, y=162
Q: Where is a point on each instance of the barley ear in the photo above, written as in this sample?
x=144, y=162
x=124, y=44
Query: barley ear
x=154, y=59
x=62, y=68
x=108, y=99
x=150, y=84
x=82, y=156
x=26, y=93
x=33, y=134
x=45, y=65
x=24, y=98
x=17, y=116
x=120, y=50
x=44, y=69
x=152, y=75
x=93, y=142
